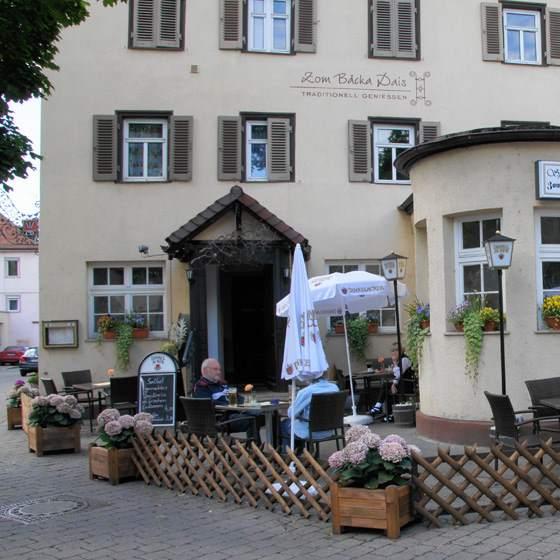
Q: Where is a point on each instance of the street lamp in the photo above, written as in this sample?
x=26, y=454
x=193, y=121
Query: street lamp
x=499, y=250
x=394, y=268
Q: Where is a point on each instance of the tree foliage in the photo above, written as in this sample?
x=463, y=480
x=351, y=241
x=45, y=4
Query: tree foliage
x=29, y=32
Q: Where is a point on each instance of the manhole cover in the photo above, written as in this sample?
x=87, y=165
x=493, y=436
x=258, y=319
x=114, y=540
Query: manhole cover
x=39, y=509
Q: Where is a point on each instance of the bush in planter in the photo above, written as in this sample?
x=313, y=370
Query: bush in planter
x=457, y=315
x=116, y=431
x=357, y=335
x=13, y=399
x=551, y=311
x=33, y=379
x=55, y=410
x=106, y=324
x=490, y=315
x=415, y=332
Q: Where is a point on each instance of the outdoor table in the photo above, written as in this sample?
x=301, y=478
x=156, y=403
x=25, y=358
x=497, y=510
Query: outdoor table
x=552, y=402
x=266, y=408
x=377, y=376
x=89, y=389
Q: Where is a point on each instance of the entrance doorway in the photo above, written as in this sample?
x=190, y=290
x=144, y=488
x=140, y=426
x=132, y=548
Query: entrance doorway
x=248, y=326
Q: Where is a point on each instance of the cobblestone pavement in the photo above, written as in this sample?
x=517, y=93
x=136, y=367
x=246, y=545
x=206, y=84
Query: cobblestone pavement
x=135, y=521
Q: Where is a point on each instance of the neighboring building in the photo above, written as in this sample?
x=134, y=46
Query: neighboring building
x=190, y=125
x=19, y=286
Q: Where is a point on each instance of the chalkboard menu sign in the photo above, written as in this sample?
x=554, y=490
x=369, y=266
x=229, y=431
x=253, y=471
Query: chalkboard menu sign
x=157, y=387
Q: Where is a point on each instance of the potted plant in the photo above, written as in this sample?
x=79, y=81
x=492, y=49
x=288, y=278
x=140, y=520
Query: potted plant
x=54, y=424
x=417, y=329
x=138, y=324
x=106, y=327
x=551, y=312
x=110, y=456
x=123, y=341
x=13, y=404
x=357, y=335
x=373, y=486
x=373, y=324
x=490, y=318
x=472, y=328
x=457, y=316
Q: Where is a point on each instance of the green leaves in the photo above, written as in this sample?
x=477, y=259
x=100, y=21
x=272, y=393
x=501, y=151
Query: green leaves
x=357, y=335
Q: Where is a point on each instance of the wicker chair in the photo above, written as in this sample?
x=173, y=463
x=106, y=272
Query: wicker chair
x=85, y=398
x=124, y=393
x=541, y=389
x=49, y=386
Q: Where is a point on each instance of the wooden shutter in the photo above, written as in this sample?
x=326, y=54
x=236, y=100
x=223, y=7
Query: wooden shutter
x=305, y=26
x=492, y=31
x=144, y=24
x=278, y=154
x=231, y=24
x=359, y=151
x=180, y=148
x=382, y=26
x=169, y=13
x=429, y=131
x=104, y=148
x=553, y=36
x=405, y=29
x=229, y=149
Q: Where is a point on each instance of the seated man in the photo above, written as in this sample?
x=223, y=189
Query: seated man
x=212, y=385
x=301, y=411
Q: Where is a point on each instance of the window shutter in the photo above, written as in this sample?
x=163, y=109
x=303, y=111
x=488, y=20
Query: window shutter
x=359, y=151
x=492, y=31
x=229, y=149
x=144, y=24
x=405, y=35
x=382, y=25
x=278, y=154
x=305, y=26
x=429, y=131
x=231, y=24
x=553, y=36
x=180, y=148
x=169, y=34
x=104, y=148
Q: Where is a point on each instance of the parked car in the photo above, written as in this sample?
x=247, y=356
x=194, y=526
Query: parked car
x=29, y=362
x=12, y=354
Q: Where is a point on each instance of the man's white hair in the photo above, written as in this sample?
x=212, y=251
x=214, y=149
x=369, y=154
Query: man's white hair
x=207, y=362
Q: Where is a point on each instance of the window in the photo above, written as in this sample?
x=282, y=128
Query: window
x=256, y=147
x=153, y=147
x=119, y=289
x=384, y=316
x=548, y=256
x=516, y=34
x=268, y=26
x=11, y=267
x=157, y=24
x=474, y=278
x=13, y=304
x=373, y=146
x=393, y=29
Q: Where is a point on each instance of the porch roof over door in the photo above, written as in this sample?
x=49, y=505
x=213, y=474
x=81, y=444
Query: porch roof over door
x=180, y=242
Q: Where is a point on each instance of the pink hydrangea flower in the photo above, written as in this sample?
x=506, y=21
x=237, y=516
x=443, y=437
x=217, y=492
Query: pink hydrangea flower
x=395, y=438
x=337, y=459
x=355, y=452
x=355, y=433
x=372, y=440
x=71, y=400
x=40, y=401
x=75, y=413
x=19, y=383
x=113, y=428
x=144, y=416
x=412, y=448
x=63, y=408
x=55, y=400
x=143, y=427
x=392, y=451
x=126, y=421
x=108, y=415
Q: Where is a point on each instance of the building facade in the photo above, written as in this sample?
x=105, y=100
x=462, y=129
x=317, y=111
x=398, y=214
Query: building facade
x=203, y=125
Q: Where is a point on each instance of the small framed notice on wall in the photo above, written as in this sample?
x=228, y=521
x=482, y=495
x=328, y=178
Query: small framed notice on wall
x=548, y=179
x=60, y=334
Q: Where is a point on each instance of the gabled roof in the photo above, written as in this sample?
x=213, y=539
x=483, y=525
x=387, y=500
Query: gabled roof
x=236, y=197
x=12, y=239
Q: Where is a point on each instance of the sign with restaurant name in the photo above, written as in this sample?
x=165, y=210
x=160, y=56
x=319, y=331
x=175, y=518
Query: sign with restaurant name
x=157, y=388
x=548, y=179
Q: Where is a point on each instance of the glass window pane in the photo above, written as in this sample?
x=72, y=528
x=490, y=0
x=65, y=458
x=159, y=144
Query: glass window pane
x=155, y=160
x=388, y=318
x=258, y=33
x=155, y=304
x=550, y=230
x=155, y=322
x=491, y=300
x=393, y=136
x=373, y=268
x=400, y=176
x=513, y=47
x=280, y=6
x=139, y=275
x=374, y=315
x=471, y=235
x=490, y=279
x=489, y=228
x=334, y=320
x=385, y=164
x=521, y=20
x=116, y=276
x=99, y=276
x=145, y=130
x=155, y=275
x=279, y=34
x=258, y=131
x=135, y=159
x=335, y=268
x=258, y=161
x=100, y=305
x=551, y=275
x=530, y=46
x=12, y=267
x=139, y=304
x=350, y=267
x=258, y=6
x=471, y=278
x=116, y=305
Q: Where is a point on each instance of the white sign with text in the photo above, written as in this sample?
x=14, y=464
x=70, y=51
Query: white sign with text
x=548, y=179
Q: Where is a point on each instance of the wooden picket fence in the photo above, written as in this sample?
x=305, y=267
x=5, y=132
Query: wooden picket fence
x=477, y=486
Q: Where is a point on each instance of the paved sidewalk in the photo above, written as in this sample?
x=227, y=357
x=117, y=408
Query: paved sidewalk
x=134, y=521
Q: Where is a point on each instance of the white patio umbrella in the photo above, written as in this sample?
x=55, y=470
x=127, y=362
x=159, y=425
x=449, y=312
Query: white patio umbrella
x=352, y=292
x=304, y=357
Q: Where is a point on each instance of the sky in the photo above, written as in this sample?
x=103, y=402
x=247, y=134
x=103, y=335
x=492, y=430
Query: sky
x=25, y=193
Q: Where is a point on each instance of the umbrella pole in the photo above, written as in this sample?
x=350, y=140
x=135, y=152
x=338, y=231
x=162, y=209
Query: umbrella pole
x=293, y=418
x=349, y=365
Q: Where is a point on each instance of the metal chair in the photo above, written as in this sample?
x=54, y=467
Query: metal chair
x=326, y=414
x=49, y=386
x=124, y=393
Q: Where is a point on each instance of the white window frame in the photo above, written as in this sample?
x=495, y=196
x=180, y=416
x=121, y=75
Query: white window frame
x=521, y=30
x=164, y=141
x=249, y=142
x=377, y=145
x=7, y=261
x=127, y=289
x=16, y=299
x=268, y=18
x=466, y=257
x=549, y=252
x=362, y=264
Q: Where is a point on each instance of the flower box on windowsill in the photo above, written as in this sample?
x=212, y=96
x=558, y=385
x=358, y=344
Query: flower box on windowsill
x=140, y=332
x=110, y=335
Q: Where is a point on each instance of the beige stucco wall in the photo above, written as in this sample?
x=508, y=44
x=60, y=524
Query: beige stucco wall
x=500, y=178
x=84, y=221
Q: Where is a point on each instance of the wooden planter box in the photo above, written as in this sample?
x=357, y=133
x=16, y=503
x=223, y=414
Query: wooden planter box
x=13, y=417
x=112, y=464
x=26, y=408
x=53, y=438
x=388, y=509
